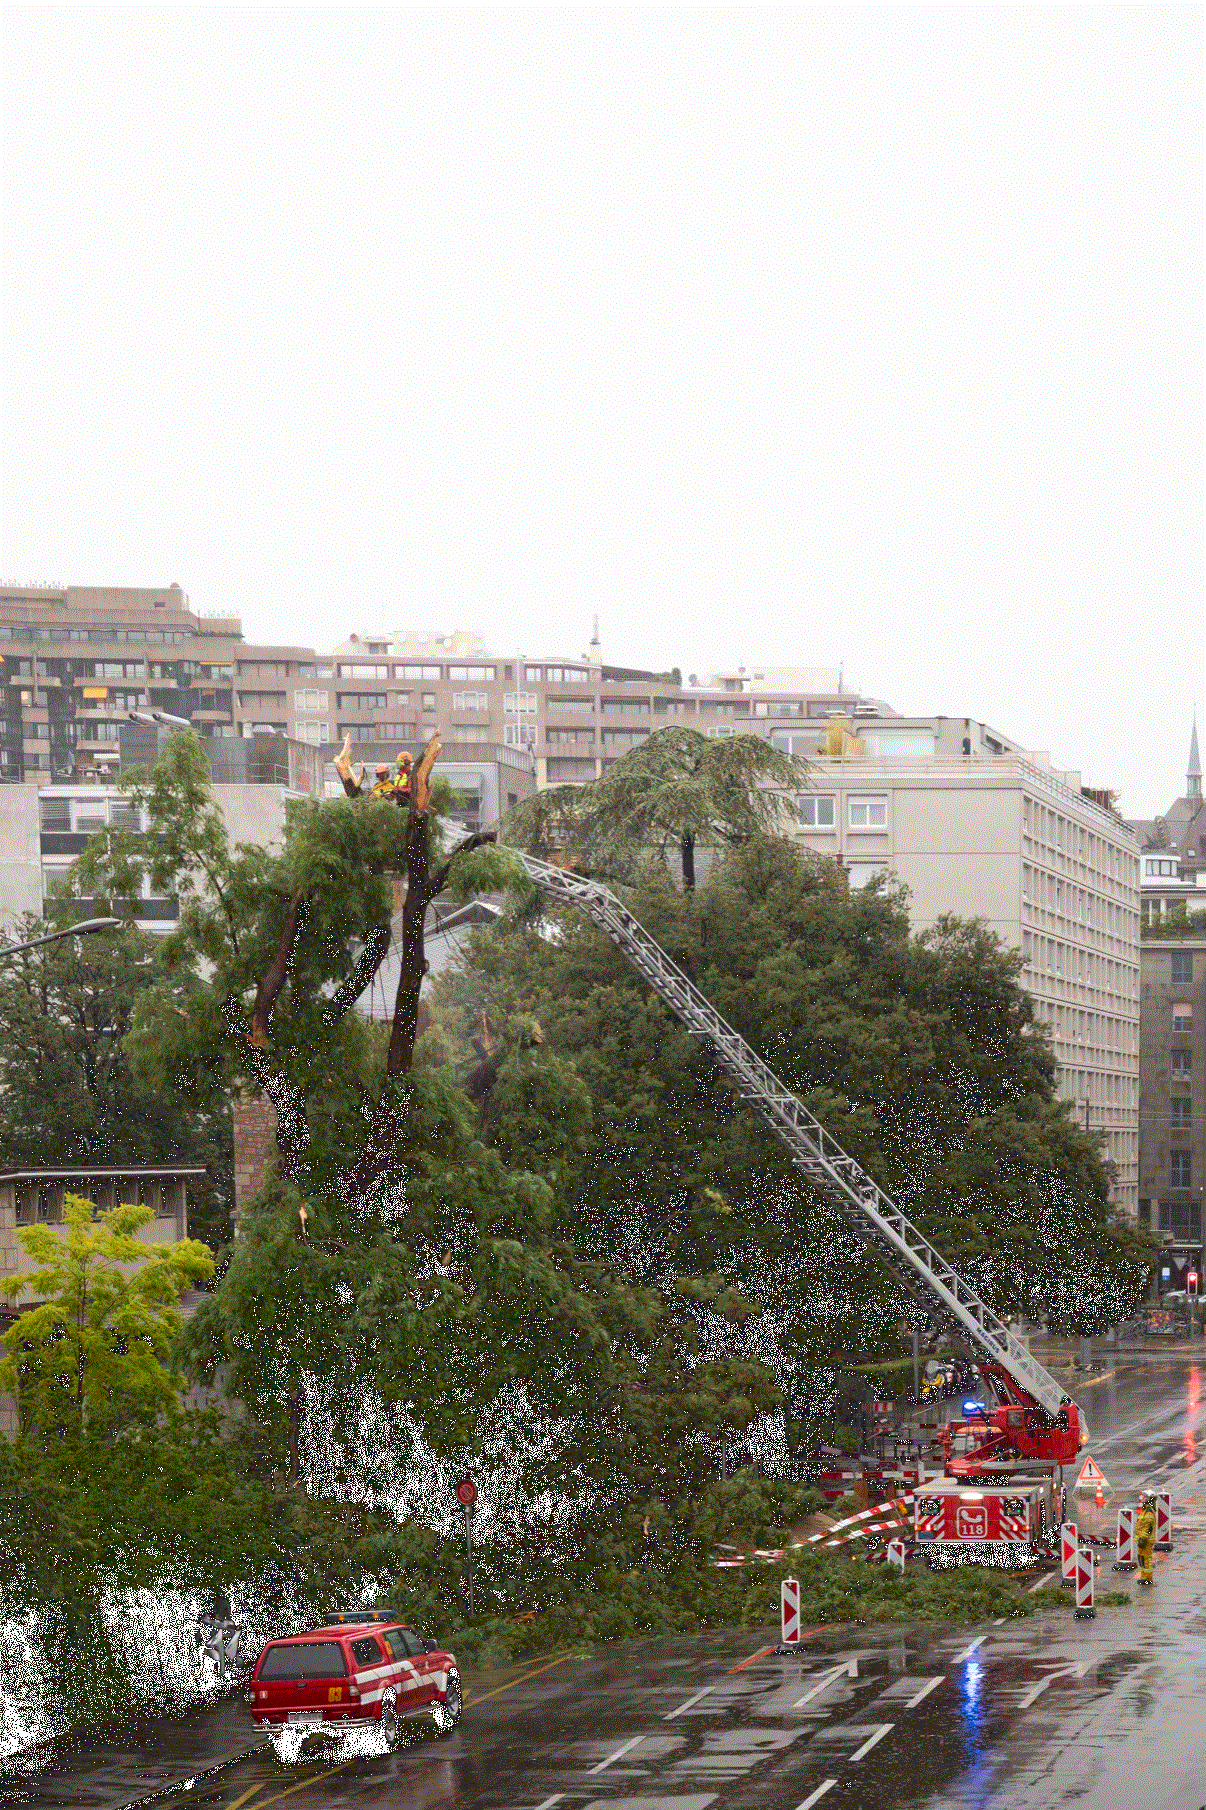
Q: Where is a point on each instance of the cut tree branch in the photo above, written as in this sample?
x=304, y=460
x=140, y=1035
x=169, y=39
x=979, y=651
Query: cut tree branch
x=343, y=766
x=278, y=972
x=376, y=948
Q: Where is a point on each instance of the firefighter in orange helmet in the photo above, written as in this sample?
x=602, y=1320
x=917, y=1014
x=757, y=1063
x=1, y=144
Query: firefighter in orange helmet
x=1145, y=1536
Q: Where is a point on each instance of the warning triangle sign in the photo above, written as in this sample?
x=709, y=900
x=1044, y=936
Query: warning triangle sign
x=1091, y=1473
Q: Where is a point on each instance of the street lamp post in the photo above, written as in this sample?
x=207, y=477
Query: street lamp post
x=85, y=928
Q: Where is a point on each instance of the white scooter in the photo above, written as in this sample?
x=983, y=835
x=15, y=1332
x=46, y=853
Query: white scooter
x=214, y=1646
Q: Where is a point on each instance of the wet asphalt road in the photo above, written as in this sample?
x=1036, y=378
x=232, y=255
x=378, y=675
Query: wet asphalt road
x=1021, y=1715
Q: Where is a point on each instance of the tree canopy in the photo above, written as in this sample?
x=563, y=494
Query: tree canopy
x=676, y=790
x=68, y=1082
x=411, y=1246
x=920, y=1053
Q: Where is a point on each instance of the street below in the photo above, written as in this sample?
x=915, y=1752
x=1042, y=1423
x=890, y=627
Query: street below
x=1026, y=1714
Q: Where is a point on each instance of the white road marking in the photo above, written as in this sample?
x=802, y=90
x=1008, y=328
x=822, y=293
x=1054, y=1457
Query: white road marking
x=689, y=1702
x=550, y=1801
x=1065, y=1671
x=1035, y=1588
x=999, y=1620
x=931, y=1685
x=618, y=1754
x=968, y=1651
x=885, y=1728
x=849, y=1669
x=817, y=1795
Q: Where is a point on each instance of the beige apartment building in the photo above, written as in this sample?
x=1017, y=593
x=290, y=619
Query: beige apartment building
x=975, y=825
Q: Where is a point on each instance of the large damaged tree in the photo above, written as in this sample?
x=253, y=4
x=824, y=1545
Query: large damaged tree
x=409, y=1249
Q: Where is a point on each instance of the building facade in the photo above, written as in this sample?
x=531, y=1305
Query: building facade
x=1172, y=1101
x=975, y=825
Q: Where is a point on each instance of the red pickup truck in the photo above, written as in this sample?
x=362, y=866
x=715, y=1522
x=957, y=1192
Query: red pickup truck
x=362, y=1665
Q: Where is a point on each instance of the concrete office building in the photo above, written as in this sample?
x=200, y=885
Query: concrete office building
x=974, y=824
x=1172, y=1100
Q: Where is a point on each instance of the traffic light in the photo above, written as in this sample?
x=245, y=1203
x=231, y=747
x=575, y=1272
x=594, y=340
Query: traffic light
x=1191, y=1282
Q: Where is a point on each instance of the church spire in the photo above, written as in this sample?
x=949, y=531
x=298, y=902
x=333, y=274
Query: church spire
x=1193, y=778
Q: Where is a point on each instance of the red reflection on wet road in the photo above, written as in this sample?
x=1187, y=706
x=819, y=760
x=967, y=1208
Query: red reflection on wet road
x=1189, y=1444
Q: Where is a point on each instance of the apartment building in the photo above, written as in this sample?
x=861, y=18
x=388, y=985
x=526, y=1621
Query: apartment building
x=1174, y=848
x=974, y=824
x=1172, y=1101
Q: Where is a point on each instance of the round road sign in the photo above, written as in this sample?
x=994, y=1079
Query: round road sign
x=466, y=1493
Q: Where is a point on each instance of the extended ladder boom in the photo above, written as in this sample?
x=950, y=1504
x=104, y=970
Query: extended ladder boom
x=837, y=1177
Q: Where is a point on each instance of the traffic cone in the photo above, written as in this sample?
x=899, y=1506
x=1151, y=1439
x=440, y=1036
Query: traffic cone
x=1099, y=1498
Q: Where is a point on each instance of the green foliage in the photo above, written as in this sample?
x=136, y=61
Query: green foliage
x=677, y=790
x=920, y=1053
x=1180, y=923
x=92, y=1355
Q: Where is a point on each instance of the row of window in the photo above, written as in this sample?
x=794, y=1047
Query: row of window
x=41, y=1201
x=817, y=811
x=1081, y=964
x=1182, y=1218
x=1051, y=827
x=10, y=631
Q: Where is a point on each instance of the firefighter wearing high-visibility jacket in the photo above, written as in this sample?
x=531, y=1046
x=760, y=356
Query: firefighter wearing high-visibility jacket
x=1145, y=1537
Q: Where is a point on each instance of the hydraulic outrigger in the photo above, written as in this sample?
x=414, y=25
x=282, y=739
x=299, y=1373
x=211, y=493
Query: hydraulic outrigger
x=1034, y=1424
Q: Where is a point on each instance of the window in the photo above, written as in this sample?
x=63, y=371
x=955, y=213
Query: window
x=1182, y=1017
x=1145, y=1212
x=311, y=700
x=428, y=700
x=624, y=706
x=867, y=813
x=519, y=735
x=1179, y=1112
x=625, y=738
x=471, y=672
x=570, y=735
x=55, y=813
x=519, y=701
x=719, y=731
x=1182, y=969
x=470, y=700
x=365, y=1651
x=532, y=674
x=397, y=731
x=576, y=706
x=673, y=706
x=860, y=873
x=304, y=1659
x=314, y=732
x=21, y=1204
x=1025, y=879
x=373, y=672
x=1178, y=1168
x=816, y=812
x=360, y=700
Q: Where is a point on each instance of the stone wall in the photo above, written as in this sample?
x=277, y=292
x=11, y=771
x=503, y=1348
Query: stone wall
x=254, y=1144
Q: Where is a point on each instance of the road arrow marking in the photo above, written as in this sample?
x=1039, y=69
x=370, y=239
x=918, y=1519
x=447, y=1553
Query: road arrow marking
x=1065, y=1671
x=848, y=1669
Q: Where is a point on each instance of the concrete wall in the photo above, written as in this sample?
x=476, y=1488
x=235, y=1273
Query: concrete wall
x=21, y=870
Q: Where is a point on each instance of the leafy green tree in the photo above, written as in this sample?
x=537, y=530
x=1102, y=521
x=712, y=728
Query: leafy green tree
x=677, y=790
x=65, y=1071
x=919, y=1053
x=93, y=1355
x=411, y=1247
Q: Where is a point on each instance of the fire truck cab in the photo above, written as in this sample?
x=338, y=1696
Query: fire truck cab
x=949, y=1511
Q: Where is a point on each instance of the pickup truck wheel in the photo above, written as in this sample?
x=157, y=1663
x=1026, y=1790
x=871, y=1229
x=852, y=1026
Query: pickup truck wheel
x=448, y=1713
x=391, y=1725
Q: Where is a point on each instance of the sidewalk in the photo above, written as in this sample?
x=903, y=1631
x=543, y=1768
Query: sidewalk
x=119, y=1764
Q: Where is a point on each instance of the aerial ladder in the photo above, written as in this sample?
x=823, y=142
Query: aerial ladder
x=1035, y=1423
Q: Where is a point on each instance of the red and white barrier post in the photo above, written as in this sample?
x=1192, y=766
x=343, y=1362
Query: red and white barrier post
x=1084, y=1584
x=789, y=1612
x=896, y=1554
x=1126, y=1560
x=1163, y=1541
x=1069, y=1547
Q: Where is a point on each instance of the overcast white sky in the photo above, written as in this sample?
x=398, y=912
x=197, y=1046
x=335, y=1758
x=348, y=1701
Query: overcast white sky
x=800, y=337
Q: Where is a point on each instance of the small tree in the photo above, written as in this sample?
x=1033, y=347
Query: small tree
x=677, y=789
x=93, y=1356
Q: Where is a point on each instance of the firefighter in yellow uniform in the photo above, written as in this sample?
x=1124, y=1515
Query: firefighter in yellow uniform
x=1145, y=1537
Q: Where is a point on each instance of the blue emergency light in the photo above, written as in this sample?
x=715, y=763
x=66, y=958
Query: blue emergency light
x=974, y=1407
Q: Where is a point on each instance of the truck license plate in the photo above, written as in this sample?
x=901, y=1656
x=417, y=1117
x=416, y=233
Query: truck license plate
x=307, y=1717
